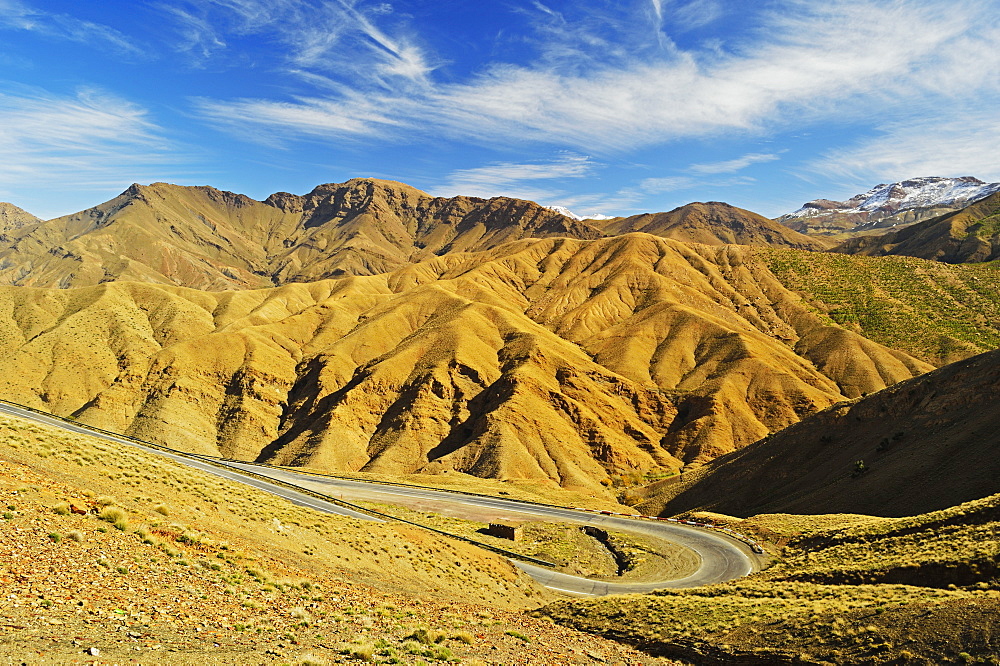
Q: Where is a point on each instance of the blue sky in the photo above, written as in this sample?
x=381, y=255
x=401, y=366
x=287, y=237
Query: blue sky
x=602, y=106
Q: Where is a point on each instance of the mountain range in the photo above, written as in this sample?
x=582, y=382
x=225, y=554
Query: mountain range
x=551, y=359
x=888, y=206
x=704, y=362
x=969, y=235
x=711, y=223
x=205, y=238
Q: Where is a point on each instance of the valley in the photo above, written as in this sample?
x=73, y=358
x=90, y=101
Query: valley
x=832, y=405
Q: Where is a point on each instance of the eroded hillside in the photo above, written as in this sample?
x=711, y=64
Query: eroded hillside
x=921, y=445
x=110, y=554
x=848, y=589
x=558, y=360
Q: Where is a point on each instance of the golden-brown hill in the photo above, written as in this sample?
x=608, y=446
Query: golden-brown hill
x=558, y=360
x=208, y=239
x=921, y=445
x=714, y=223
x=969, y=235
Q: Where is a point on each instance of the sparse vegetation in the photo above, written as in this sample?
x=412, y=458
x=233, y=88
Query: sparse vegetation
x=244, y=571
x=938, y=312
x=841, y=581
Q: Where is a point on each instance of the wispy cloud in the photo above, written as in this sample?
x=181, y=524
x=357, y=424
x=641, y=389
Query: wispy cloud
x=515, y=179
x=665, y=184
x=19, y=15
x=809, y=61
x=627, y=200
x=696, y=14
x=196, y=35
x=90, y=141
x=337, y=35
x=734, y=165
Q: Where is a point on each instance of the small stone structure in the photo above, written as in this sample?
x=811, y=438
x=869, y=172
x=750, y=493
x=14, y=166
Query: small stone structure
x=596, y=532
x=507, y=531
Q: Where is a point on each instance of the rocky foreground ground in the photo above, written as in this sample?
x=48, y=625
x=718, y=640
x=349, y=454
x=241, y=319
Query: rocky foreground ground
x=95, y=589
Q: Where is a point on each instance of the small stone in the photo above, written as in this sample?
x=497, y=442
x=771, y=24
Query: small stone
x=92, y=651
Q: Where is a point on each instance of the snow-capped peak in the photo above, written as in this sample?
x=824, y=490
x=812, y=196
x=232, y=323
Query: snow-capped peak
x=570, y=214
x=906, y=194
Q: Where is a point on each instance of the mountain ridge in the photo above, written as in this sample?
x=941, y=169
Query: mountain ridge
x=713, y=223
x=198, y=236
x=207, y=238
x=559, y=360
x=13, y=218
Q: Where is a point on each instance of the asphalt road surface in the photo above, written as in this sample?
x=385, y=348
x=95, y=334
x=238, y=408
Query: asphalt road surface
x=722, y=558
x=302, y=499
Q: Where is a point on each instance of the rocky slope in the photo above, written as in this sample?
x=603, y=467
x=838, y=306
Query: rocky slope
x=556, y=360
x=888, y=205
x=209, y=239
x=713, y=223
x=13, y=218
x=921, y=445
x=969, y=235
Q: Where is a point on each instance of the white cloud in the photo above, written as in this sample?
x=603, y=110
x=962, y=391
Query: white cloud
x=810, y=61
x=657, y=9
x=19, y=15
x=666, y=184
x=963, y=145
x=514, y=179
x=90, y=141
x=731, y=166
x=197, y=35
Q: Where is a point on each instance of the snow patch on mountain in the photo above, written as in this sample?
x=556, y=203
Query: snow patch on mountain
x=891, y=198
x=570, y=214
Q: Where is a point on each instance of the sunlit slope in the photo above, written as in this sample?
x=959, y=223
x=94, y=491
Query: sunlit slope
x=209, y=239
x=847, y=589
x=918, y=446
x=12, y=218
x=557, y=360
x=935, y=311
x=714, y=223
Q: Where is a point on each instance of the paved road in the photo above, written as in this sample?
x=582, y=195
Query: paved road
x=302, y=499
x=722, y=558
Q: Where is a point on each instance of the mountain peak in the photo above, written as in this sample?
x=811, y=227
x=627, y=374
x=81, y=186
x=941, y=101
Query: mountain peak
x=12, y=217
x=562, y=210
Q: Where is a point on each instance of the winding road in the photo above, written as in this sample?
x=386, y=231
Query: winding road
x=722, y=558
